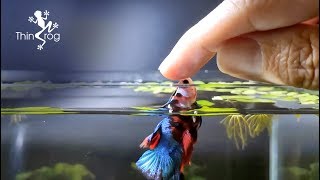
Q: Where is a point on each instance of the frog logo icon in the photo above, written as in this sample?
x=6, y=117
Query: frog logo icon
x=43, y=36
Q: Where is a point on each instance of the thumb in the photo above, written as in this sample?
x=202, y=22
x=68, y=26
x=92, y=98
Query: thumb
x=287, y=56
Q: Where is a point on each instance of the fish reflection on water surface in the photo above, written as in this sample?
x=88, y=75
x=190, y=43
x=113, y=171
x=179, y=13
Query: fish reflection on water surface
x=171, y=144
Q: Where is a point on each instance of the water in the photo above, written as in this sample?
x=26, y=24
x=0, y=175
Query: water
x=100, y=126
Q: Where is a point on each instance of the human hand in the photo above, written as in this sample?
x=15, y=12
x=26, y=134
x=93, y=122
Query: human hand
x=274, y=41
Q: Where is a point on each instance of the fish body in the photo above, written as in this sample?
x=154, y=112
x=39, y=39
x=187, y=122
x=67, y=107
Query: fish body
x=170, y=146
x=163, y=159
x=186, y=133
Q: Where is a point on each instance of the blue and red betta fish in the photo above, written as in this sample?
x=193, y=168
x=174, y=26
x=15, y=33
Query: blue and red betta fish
x=171, y=144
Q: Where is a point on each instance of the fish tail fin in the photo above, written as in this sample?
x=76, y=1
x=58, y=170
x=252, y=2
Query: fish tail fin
x=156, y=165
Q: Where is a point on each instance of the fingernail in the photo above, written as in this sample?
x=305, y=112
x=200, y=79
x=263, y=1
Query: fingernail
x=241, y=57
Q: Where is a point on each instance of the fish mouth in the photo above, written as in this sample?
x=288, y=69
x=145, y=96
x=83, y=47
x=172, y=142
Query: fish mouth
x=186, y=81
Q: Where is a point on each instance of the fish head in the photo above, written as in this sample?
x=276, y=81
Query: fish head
x=184, y=96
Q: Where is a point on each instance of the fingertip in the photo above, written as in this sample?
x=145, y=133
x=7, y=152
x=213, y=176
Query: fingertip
x=170, y=69
x=184, y=62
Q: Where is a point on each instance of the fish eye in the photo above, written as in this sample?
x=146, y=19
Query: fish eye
x=178, y=94
x=185, y=81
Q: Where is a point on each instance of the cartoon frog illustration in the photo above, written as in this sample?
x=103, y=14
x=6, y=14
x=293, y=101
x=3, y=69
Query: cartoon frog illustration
x=41, y=21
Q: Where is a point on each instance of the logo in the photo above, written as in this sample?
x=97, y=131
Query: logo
x=46, y=30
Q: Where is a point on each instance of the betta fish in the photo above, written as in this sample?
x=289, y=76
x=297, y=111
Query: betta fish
x=184, y=97
x=171, y=144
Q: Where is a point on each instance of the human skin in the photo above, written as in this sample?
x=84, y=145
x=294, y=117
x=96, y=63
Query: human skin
x=275, y=41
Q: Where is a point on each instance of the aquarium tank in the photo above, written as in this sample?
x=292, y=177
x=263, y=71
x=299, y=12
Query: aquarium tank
x=78, y=105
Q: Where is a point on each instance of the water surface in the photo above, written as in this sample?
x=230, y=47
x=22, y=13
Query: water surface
x=101, y=124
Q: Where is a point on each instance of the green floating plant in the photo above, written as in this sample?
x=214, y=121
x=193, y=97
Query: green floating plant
x=198, y=82
x=223, y=90
x=167, y=83
x=145, y=108
x=33, y=110
x=151, y=83
x=216, y=109
x=206, y=109
x=273, y=97
x=240, y=92
x=205, y=87
x=61, y=171
x=205, y=103
x=229, y=84
x=244, y=98
x=265, y=89
x=308, y=98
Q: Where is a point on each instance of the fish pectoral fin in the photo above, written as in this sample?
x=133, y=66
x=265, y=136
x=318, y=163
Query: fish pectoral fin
x=145, y=143
x=155, y=139
x=152, y=140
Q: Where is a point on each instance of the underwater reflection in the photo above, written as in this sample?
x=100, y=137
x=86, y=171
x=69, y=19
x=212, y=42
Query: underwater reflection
x=17, y=118
x=170, y=146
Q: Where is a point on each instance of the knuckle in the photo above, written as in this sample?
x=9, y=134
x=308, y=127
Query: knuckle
x=295, y=61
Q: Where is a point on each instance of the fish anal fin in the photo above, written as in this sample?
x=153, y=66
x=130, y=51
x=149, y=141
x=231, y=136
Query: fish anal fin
x=187, y=144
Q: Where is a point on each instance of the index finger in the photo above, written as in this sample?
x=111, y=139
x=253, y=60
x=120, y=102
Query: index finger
x=230, y=19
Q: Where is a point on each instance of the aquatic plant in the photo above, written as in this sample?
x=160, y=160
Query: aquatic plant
x=61, y=171
x=194, y=171
x=237, y=129
x=299, y=173
x=240, y=127
x=257, y=123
